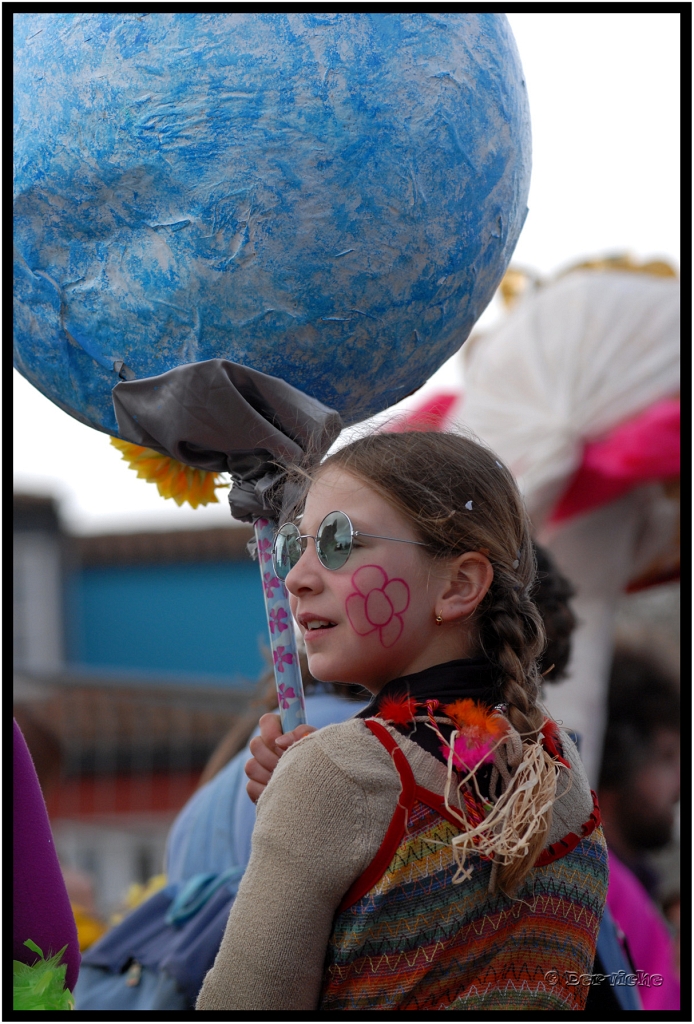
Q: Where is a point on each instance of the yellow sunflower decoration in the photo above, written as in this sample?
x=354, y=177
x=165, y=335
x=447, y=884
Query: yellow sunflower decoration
x=173, y=478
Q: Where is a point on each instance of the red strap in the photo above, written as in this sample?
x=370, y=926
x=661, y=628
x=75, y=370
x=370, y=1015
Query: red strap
x=398, y=823
x=551, y=741
x=570, y=841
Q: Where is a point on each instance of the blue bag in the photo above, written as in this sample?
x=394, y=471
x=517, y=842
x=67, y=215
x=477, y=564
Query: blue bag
x=158, y=956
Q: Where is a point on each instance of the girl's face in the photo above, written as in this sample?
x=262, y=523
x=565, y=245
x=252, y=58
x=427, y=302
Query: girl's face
x=373, y=619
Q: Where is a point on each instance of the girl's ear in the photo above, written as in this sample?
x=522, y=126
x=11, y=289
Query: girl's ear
x=468, y=581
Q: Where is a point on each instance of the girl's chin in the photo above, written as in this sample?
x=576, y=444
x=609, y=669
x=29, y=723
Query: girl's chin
x=325, y=670
x=324, y=667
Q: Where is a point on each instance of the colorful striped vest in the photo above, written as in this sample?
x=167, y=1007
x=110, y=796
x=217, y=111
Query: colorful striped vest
x=406, y=938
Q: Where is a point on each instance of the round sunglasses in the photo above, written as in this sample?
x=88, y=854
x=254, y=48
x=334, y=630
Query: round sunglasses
x=333, y=541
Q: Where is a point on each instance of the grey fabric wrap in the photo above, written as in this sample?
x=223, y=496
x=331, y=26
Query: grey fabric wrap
x=226, y=418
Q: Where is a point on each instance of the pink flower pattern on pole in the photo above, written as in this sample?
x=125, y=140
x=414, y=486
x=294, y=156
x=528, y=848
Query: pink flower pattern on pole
x=287, y=671
x=284, y=693
x=281, y=658
x=278, y=620
x=377, y=604
x=264, y=549
x=270, y=582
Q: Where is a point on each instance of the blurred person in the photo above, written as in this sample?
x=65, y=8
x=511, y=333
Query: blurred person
x=639, y=789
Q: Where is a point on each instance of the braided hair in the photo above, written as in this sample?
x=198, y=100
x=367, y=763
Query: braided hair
x=459, y=497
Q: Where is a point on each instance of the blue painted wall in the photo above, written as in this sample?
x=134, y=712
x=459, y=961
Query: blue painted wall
x=202, y=619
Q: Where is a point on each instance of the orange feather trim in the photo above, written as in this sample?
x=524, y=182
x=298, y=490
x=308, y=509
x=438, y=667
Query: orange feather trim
x=468, y=714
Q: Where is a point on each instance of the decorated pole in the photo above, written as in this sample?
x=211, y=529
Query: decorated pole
x=285, y=657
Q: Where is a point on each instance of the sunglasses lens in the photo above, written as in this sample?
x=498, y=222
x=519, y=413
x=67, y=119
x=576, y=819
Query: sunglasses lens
x=334, y=540
x=287, y=550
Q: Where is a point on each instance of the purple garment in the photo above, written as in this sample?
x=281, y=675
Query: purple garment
x=647, y=935
x=42, y=909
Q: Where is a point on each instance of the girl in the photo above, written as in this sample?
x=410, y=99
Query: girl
x=442, y=849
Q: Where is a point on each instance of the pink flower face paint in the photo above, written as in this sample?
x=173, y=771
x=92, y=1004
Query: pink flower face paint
x=377, y=603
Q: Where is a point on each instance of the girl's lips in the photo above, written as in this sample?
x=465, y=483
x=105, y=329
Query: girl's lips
x=309, y=619
x=314, y=626
x=311, y=635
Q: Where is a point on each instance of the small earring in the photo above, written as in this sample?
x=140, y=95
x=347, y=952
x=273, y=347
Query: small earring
x=439, y=619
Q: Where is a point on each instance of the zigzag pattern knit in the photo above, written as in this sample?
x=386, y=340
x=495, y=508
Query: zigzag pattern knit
x=415, y=941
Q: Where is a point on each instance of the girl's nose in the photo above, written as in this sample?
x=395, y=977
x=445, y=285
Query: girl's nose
x=306, y=576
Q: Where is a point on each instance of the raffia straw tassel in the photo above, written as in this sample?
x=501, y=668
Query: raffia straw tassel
x=522, y=810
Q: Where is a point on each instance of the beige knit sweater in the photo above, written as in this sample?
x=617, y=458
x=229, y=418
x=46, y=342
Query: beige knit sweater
x=320, y=822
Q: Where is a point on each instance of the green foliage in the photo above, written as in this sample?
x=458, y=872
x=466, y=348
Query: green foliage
x=41, y=986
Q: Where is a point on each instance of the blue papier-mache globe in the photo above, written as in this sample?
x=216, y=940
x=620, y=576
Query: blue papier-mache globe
x=329, y=198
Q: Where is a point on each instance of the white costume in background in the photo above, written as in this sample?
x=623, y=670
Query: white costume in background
x=571, y=361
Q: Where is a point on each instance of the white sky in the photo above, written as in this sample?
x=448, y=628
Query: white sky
x=604, y=102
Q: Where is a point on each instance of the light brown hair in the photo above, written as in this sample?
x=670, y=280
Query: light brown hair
x=459, y=497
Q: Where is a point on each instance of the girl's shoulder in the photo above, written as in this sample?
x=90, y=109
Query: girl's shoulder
x=354, y=741
x=345, y=754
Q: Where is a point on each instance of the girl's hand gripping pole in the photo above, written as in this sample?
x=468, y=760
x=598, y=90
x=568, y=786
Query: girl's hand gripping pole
x=290, y=690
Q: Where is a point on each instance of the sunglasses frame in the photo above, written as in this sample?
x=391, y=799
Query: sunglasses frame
x=303, y=538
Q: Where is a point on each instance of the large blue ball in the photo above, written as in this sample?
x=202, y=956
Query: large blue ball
x=329, y=198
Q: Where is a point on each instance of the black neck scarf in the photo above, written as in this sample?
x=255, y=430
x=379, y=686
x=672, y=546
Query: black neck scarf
x=454, y=680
